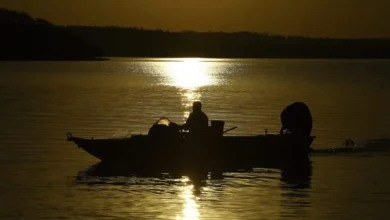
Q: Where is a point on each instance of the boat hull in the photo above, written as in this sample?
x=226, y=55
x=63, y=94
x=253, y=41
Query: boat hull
x=209, y=154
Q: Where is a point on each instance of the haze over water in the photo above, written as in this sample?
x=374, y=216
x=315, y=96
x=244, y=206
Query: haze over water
x=41, y=101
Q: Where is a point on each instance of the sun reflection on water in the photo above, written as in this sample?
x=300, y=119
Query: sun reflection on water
x=190, y=206
x=189, y=75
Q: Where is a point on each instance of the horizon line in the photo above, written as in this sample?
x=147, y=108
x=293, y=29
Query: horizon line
x=270, y=34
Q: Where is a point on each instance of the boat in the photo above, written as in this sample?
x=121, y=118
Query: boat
x=167, y=149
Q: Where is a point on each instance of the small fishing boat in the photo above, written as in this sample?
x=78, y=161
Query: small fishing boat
x=169, y=148
x=166, y=148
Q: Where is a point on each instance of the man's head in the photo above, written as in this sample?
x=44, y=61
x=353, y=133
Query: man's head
x=197, y=107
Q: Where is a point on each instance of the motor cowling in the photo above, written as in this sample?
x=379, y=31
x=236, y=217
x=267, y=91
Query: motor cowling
x=296, y=120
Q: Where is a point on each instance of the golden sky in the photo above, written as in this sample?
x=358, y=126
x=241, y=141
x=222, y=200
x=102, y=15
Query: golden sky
x=318, y=18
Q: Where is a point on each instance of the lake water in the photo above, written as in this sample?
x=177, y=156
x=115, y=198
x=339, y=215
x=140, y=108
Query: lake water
x=42, y=175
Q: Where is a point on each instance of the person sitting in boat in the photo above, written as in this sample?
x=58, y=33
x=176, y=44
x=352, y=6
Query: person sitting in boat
x=198, y=120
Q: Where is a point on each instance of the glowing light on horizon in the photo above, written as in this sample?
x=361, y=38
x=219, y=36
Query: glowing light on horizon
x=190, y=73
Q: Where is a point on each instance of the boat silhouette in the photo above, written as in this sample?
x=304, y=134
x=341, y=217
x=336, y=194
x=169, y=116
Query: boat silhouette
x=169, y=150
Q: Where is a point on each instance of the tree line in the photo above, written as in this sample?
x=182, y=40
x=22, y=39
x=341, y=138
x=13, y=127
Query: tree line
x=27, y=38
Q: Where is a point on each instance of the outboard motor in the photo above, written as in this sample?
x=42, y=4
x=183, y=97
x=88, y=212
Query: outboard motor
x=296, y=120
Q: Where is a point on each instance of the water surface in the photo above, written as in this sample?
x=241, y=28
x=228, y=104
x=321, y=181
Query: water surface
x=42, y=175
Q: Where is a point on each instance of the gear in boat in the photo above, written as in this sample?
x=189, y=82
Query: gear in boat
x=165, y=127
x=197, y=124
x=296, y=120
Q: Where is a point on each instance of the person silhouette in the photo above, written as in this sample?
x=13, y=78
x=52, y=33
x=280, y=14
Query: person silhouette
x=198, y=120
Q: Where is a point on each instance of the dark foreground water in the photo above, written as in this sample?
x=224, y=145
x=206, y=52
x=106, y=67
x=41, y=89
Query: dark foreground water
x=43, y=176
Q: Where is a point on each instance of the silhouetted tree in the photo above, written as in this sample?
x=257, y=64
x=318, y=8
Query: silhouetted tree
x=25, y=38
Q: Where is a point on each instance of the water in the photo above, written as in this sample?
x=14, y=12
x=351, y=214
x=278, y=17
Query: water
x=42, y=175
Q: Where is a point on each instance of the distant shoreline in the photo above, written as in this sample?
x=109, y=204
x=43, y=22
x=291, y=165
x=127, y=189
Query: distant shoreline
x=142, y=58
x=249, y=58
x=25, y=38
x=54, y=60
x=138, y=42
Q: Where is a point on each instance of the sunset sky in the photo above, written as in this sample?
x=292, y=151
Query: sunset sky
x=317, y=18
